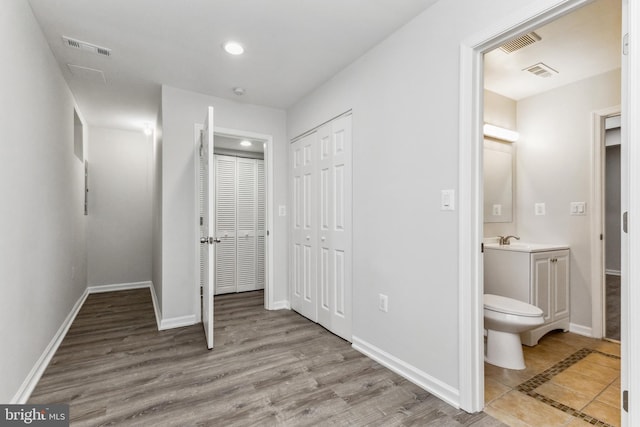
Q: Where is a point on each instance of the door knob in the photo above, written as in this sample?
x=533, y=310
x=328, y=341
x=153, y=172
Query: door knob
x=209, y=240
x=204, y=240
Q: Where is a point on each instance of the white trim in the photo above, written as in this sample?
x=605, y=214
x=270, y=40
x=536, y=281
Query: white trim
x=281, y=305
x=30, y=382
x=609, y=272
x=197, y=305
x=96, y=289
x=598, y=291
x=411, y=373
x=156, y=306
x=177, y=322
x=581, y=330
x=470, y=286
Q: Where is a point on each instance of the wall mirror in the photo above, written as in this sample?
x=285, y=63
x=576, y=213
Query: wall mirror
x=498, y=181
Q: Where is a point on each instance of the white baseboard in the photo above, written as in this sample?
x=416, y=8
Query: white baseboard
x=96, y=289
x=25, y=390
x=411, y=373
x=156, y=305
x=280, y=305
x=580, y=330
x=612, y=272
x=177, y=322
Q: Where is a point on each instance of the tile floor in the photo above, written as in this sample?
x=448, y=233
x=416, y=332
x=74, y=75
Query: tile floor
x=570, y=380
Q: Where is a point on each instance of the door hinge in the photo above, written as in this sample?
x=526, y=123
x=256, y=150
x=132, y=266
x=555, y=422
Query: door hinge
x=625, y=400
x=625, y=44
x=625, y=226
x=201, y=221
x=601, y=236
x=482, y=248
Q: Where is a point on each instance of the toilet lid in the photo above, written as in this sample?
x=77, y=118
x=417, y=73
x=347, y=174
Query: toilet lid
x=510, y=306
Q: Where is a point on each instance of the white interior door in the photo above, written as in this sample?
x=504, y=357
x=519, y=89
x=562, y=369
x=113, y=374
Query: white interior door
x=207, y=220
x=334, y=224
x=304, y=234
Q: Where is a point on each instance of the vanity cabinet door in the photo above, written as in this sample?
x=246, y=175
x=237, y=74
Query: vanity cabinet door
x=561, y=279
x=542, y=283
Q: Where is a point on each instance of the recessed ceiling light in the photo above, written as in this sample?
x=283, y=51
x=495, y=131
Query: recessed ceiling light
x=245, y=143
x=233, y=48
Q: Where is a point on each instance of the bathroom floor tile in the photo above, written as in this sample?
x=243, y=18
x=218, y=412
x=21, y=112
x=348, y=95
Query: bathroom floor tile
x=580, y=383
x=571, y=398
x=493, y=389
x=601, y=359
x=505, y=417
x=604, y=412
x=608, y=347
x=596, y=373
x=529, y=410
x=610, y=396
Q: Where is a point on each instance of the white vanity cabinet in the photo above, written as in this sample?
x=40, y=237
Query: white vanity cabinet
x=533, y=273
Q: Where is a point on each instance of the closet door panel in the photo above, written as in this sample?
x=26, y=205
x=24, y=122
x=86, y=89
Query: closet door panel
x=246, y=255
x=225, y=227
x=304, y=232
x=261, y=225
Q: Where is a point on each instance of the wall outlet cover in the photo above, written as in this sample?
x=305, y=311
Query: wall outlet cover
x=540, y=209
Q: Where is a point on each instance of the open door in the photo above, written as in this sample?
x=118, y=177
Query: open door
x=207, y=221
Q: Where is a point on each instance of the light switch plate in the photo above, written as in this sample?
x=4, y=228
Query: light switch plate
x=448, y=200
x=540, y=209
x=497, y=210
x=578, y=208
x=282, y=210
x=383, y=302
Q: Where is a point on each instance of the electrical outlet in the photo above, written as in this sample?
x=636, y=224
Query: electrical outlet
x=497, y=210
x=383, y=302
x=282, y=210
x=540, y=209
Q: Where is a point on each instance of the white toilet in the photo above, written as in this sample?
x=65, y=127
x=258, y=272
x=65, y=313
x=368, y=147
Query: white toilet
x=504, y=319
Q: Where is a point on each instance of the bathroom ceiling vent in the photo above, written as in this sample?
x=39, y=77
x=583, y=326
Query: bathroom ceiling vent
x=520, y=42
x=87, y=47
x=541, y=70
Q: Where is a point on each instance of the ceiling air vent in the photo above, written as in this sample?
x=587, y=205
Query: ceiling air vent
x=541, y=70
x=520, y=42
x=87, y=47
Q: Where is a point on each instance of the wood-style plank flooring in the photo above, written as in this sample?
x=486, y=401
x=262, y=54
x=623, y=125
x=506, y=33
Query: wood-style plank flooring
x=267, y=368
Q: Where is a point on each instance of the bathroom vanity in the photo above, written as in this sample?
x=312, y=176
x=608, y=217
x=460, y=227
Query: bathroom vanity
x=534, y=273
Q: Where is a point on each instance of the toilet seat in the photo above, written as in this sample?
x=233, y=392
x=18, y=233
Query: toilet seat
x=506, y=305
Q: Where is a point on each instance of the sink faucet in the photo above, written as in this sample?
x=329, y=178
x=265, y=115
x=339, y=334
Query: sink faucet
x=504, y=240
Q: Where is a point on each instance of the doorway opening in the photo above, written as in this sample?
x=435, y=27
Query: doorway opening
x=227, y=143
x=471, y=198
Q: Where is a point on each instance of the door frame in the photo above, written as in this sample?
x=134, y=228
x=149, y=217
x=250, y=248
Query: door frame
x=597, y=220
x=269, y=292
x=470, y=285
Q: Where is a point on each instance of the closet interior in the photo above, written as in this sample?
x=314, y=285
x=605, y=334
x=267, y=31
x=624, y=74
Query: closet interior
x=240, y=215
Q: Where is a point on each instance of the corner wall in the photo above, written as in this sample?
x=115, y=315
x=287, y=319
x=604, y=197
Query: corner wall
x=42, y=223
x=156, y=212
x=181, y=111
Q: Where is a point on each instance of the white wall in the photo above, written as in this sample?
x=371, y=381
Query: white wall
x=501, y=111
x=181, y=110
x=119, y=230
x=405, y=99
x=156, y=211
x=42, y=261
x=554, y=167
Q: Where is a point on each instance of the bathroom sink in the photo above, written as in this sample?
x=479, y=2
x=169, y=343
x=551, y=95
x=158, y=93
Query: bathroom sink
x=526, y=247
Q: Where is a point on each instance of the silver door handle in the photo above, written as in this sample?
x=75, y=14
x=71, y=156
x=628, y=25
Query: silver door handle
x=209, y=240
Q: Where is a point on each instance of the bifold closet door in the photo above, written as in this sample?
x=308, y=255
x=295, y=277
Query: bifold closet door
x=321, y=226
x=260, y=225
x=304, y=229
x=334, y=227
x=225, y=228
x=246, y=250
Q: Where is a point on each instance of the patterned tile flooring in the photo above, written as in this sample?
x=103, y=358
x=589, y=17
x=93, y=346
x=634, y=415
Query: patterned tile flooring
x=570, y=380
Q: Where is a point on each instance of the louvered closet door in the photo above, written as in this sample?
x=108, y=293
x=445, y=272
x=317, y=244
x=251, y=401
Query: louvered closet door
x=304, y=233
x=225, y=224
x=246, y=236
x=334, y=223
x=260, y=225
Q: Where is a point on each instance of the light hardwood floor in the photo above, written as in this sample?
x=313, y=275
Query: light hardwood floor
x=267, y=368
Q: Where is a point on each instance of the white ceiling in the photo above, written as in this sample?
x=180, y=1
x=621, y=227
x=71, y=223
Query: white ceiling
x=292, y=46
x=582, y=44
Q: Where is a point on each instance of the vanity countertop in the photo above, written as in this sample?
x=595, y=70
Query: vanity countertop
x=527, y=247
